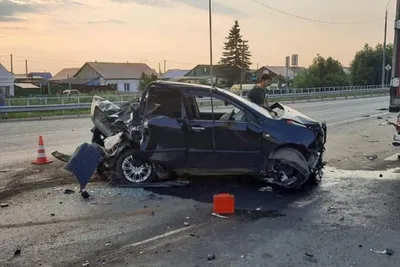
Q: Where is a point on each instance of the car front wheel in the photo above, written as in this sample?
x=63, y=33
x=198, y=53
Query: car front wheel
x=132, y=169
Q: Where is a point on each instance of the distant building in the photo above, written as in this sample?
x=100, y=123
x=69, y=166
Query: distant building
x=124, y=76
x=63, y=75
x=6, y=82
x=222, y=74
x=45, y=75
x=274, y=71
x=174, y=73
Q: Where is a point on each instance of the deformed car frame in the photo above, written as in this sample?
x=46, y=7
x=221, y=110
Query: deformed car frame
x=198, y=130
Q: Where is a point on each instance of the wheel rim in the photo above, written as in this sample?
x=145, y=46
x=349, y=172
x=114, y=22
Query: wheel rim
x=134, y=171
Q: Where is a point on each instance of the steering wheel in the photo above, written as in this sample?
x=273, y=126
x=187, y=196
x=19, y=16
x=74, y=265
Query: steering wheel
x=231, y=115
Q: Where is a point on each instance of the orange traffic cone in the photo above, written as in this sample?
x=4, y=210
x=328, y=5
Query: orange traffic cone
x=41, y=157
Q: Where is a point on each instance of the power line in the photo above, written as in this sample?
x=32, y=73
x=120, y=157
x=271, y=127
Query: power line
x=313, y=20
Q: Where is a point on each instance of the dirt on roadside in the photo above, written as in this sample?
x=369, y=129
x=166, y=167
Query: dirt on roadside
x=17, y=179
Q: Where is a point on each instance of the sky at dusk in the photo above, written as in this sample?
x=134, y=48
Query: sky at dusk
x=55, y=34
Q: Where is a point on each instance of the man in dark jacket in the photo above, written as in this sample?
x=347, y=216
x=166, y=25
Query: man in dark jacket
x=257, y=95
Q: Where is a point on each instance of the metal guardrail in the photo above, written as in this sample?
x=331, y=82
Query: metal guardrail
x=292, y=96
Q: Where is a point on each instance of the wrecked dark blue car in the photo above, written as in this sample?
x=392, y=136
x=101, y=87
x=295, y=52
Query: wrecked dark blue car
x=179, y=128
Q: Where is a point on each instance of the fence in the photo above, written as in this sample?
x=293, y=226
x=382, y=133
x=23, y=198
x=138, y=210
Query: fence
x=84, y=102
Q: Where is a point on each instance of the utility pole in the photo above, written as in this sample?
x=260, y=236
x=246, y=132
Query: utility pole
x=211, y=48
x=159, y=68
x=394, y=84
x=26, y=69
x=287, y=63
x=242, y=67
x=12, y=64
x=384, y=46
x=165, y=66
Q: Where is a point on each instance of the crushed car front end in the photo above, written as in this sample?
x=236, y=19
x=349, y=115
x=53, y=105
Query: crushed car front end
x=299, y=147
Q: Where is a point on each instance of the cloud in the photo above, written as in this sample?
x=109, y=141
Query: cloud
x=112, y=21
x=199, y=4
x=9, y=9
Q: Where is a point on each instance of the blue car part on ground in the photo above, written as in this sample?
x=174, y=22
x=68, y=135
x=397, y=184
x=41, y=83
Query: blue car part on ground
x=84, y=162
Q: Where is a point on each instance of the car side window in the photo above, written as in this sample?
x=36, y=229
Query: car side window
x=231, y=112
x=165, y=102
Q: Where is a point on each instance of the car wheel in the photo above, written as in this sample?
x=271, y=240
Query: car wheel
x=132, y=169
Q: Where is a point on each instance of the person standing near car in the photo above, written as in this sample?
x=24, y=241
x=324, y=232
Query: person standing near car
x=258, y=94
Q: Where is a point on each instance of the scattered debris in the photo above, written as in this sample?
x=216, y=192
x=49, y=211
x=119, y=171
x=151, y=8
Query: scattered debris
x=4, y=205
x=373, y=157
x=309, y=255
x=69, y=191
x=85, y=264
x=387, y=251
x=52, y=214
x=374, y=141
x=211, y=257
x=341, y=218
x=108, y=244
x=186, y=223
x=17, y=252
x=219, y=216
x=379, y=117
x=85, y=194
x=380, y=175
x=382, y=109
x=360, y=246
x=5, y=170
x=265, y=189
x=365, y=116
x=187, y=218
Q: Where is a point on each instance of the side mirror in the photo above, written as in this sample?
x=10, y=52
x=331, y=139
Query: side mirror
x=254, y=127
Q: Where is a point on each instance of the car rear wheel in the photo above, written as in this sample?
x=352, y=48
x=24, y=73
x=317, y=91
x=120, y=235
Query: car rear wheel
x=132, y=169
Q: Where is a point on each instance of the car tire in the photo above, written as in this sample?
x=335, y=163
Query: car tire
x=126, y=164
x=296, y=154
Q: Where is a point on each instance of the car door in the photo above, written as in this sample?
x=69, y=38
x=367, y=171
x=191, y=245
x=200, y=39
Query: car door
x=201, y=150
x=164, y=136
x=238, y=149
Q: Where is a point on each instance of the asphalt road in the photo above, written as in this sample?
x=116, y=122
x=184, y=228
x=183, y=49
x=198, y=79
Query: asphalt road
x=19, y=139
x=354, y=209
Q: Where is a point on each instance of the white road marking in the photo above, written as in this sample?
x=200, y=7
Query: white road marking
x=174, y=232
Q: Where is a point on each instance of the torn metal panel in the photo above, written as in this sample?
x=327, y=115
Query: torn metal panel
x=84, y=162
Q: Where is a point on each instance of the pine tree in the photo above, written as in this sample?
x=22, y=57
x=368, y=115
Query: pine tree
x=234, y=48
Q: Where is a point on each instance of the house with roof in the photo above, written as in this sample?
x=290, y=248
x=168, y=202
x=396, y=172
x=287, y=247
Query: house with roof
x=64, y=74
x=44, y=75
x=123, y=76
x=275, y=71
x=223, y=76
x=6, y=82
x=174, y=73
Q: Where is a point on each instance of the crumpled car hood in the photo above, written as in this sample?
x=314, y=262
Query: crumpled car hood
x=294, y=115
